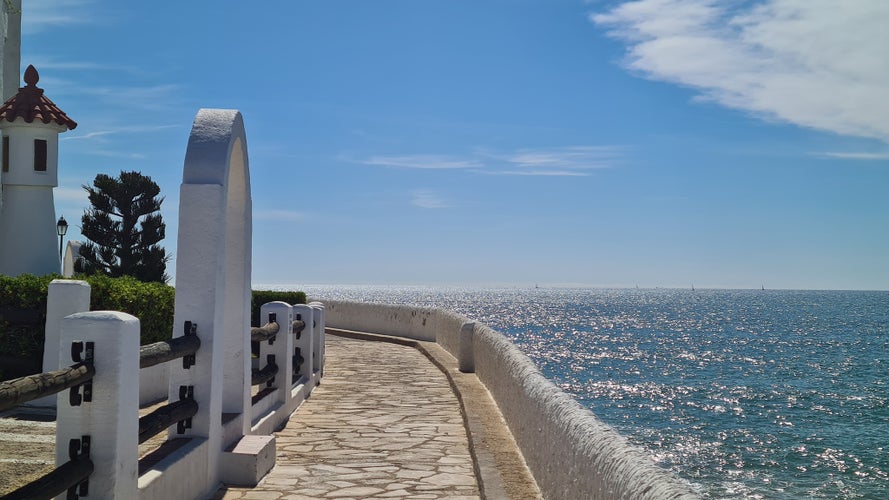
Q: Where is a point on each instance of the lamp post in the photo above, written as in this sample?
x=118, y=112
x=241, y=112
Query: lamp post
x=61, y=229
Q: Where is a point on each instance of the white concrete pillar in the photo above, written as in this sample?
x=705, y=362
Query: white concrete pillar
x=304, y=341
x=467, y=354
x=111, y=419
x=213, y=279
x=281, y=348
x=199, y=299
x=318, y=347
x=12, y=48
x=64, y=297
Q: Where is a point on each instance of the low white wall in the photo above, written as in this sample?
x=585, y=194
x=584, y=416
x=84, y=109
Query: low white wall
x=154, y=383
x=402, y=321
x=571, y=453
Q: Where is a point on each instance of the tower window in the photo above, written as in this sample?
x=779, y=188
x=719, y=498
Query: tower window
x=6, y=153
x=40, y=155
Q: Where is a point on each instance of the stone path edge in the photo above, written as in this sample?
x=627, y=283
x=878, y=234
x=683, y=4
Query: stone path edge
x=490, y=481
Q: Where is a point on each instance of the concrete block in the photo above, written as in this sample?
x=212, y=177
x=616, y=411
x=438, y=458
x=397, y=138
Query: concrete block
x=247, y=461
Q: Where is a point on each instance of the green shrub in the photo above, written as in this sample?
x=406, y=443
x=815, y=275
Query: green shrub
x=261, y=297
x=152, y=303
x=22, y=344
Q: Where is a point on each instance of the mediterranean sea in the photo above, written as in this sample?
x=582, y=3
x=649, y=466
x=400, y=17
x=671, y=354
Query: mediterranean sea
x=741, y=393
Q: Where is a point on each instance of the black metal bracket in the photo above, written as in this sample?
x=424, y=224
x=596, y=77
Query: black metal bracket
x=78, y=449
x=185, y=392
x=273, y=318
x=297, y=359
x=191, y=330
x=270, y=360
x=82, y=352
x=299, y=317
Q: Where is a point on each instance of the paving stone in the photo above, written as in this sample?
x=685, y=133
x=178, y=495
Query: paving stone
x=355, y=491
x=372, y=430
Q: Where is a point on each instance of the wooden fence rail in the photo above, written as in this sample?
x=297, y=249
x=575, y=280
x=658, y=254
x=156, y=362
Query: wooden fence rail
x=65, y=477
x=21, y=390
x=259, y=377
x=160, y=419
x=265, y=332
x=168, y=350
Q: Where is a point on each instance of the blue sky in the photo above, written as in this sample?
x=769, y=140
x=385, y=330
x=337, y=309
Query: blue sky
x=503, y=142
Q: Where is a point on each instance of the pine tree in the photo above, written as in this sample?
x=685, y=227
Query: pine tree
x=117, y=247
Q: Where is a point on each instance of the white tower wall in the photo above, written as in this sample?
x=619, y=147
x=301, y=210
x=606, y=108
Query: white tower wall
x=28, y=241
x=21, y=153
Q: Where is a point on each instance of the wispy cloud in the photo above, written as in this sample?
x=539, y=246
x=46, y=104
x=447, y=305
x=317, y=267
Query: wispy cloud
x=152, y=97
x=814, y=63
x=855, y=156
x=540, y=173
x=119, y=130
x=38, y=15
x=426, y=162
x=424, y=198
x=573, y=161
x=117, y=154
x=279, y=215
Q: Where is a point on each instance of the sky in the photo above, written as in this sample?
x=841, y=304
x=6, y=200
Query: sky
x=650, y=143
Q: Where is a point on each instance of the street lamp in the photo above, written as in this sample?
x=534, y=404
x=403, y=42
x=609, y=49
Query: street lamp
x=61, y=229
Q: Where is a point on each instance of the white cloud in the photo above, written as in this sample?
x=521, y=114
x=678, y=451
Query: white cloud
x=814, y=63
x=422, y=162
x=562, y=161
x=427, y=199
x=155, y=97
x=541, y=173
x=116, y=154
x=118, y=130
x=38, y=15
x=855, y=156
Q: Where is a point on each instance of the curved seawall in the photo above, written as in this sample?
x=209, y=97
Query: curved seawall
x=571, y=453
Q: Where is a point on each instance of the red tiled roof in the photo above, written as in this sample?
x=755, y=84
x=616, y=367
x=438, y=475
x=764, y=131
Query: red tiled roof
x=31, y=104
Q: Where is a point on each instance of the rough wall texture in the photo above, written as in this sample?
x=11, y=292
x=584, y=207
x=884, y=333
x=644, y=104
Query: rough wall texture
x=571, y=453
x=401, y=321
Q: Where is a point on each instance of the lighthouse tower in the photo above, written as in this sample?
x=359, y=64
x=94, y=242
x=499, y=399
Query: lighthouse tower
x=30, y=124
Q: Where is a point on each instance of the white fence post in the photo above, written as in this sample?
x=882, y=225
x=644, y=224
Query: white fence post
x=64, y=297
x=111, y=418
x=281, y=348
x=304, y=341
x=318, y=334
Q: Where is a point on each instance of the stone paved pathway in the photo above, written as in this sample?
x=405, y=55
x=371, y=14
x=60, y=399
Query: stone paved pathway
x=384, y=423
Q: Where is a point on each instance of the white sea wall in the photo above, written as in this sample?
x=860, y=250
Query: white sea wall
x=571, y=453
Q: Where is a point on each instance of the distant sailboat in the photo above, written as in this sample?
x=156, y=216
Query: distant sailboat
x=763, y=286
x=692, y=288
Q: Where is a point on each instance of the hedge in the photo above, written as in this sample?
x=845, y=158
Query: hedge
x=21, y=345
x=261, y=297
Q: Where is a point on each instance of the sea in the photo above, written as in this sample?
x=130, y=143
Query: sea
x=741, y=393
